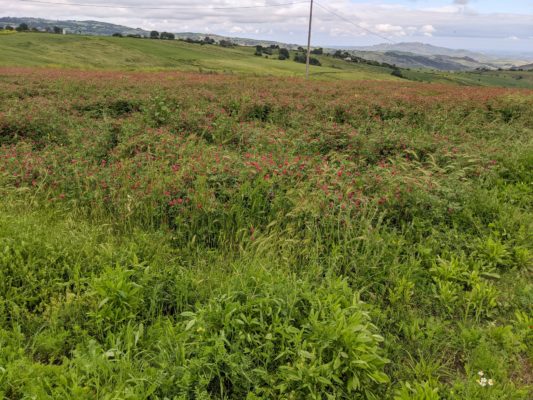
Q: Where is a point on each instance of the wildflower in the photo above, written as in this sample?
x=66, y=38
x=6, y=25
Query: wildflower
x=480, y=373
x=175, y=202
x=490, y=382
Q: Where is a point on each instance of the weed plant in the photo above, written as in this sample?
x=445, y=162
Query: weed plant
x=188, y=236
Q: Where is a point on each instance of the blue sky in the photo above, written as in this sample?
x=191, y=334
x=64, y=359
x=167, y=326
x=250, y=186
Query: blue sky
x=487, y=25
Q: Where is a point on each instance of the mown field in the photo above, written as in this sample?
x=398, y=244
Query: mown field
x=172, y=235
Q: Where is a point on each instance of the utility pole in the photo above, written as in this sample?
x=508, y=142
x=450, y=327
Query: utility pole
x=309, y=42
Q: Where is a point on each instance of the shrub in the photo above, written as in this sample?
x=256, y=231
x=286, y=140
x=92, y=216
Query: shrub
x=282, y=342
x=302, y=58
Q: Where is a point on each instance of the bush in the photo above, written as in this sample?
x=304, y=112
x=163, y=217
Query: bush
x=302, y=58
x=279, y=341
x=167, y=36
x=397, y=72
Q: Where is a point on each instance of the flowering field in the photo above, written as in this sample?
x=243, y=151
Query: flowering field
x=188, y=236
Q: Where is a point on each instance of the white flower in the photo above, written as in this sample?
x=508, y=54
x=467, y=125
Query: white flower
x=480, y=373
x=482, y=382
x=490, y=382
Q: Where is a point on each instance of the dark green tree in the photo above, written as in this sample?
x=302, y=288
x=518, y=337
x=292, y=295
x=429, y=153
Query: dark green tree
x=397, y=72
x=226, y=43
x=154, y=35
x=167, y=36
x=58, y=30
x=284, y=54
x=302, y=58
x=23, y=27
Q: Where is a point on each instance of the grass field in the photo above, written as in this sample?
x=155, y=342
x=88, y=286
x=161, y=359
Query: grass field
x=90, y=53
x=170, y=235
x=86, y=52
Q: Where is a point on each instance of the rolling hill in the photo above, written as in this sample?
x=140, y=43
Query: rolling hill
x=78, y=27
x=104, y=52
x=111, y=53
x=98, y=28
x=405, y=55
x=423, y=49
x=527, y=67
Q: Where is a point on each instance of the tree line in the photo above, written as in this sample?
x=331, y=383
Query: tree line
x=23, y=27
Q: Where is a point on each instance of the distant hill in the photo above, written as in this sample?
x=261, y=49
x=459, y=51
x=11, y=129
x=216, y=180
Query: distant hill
x=424, y=50
x=439, y=62
x=405, y=55
x=422, y=55
x=527, y=67
x=79, y=27
x=98, y=28
x=237, y=40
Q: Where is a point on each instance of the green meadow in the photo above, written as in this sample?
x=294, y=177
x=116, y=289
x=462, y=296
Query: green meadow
x=72, y=51
x=130, y=54
x=191, y=222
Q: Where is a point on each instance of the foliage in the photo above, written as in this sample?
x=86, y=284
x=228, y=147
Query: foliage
x=193, y=236
x=302, y=58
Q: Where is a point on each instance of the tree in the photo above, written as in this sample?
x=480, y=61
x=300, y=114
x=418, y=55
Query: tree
x=397, y=72
x=58, y=30
x=258, y=50
x=284, y=54
x=318, y=51
x=1, y=28
x=167, y=36
x=23, y=27
x=302, y=58
x=226, y=43
x=9, y=28
x=117, y=34
x=154, y=35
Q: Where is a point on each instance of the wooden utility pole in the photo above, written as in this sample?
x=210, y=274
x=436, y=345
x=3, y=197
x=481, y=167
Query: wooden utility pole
x=309, y=41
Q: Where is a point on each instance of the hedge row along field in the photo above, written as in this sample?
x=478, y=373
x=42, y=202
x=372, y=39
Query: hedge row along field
x=187, y=236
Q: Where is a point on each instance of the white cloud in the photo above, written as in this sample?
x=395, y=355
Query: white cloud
x=395, y=30
x=454, y=22
x=428, y=30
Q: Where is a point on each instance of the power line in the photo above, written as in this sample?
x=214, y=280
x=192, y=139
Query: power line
x=163, y=8
x=333, y=12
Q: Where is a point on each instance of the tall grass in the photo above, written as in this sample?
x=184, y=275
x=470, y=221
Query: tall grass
x=174, y=236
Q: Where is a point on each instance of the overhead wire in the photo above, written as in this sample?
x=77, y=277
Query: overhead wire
x=163, y=8
x=369, y=31
x=209, y=8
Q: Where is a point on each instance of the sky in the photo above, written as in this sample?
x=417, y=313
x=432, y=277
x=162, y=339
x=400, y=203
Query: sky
x=487, y=25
